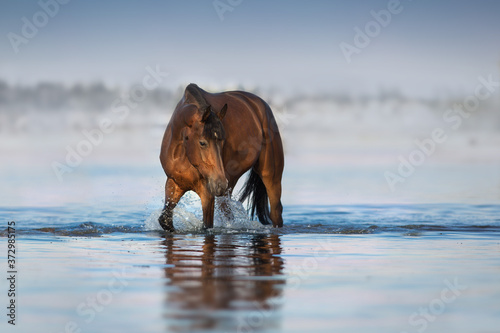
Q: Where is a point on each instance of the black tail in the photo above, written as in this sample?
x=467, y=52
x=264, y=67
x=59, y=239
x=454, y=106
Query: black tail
x=258, y=201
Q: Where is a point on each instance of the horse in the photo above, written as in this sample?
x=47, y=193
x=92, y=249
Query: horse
x=211, y=140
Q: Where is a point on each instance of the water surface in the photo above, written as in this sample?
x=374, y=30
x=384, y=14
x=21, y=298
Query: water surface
x=347, y=268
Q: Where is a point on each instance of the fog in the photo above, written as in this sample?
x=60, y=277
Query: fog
x=373, y=105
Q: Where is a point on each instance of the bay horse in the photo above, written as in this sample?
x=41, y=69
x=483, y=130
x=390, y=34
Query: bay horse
x=212, y=139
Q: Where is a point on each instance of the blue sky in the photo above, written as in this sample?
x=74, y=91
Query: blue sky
x=430, y=47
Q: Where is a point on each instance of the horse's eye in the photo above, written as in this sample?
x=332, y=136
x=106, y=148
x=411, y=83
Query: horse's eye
x=203, y=144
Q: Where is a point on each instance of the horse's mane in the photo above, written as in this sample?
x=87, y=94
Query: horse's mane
x=213, y=128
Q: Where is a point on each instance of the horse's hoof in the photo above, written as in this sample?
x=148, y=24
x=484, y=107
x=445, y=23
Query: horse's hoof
x=168, y=228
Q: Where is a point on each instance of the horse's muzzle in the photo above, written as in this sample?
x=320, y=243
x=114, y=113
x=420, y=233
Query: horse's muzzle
x=218, y=187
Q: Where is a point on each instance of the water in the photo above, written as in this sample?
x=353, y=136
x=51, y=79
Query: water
x=353, y=256
x=399, y=219
x=347, y=268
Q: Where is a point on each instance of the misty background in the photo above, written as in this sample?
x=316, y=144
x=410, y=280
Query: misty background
x=345, y=122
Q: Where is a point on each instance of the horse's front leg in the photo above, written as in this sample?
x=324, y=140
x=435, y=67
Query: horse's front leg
x=173, y=194
x=207, y=204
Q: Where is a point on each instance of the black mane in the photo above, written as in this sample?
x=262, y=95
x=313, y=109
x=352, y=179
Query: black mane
x=213, y=129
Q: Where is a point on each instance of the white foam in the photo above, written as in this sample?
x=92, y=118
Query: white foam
x=188, y=216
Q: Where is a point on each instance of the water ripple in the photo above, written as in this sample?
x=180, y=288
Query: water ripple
x=355, y=219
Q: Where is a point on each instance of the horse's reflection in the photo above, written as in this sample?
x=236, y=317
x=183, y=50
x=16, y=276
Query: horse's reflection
x=223, y=282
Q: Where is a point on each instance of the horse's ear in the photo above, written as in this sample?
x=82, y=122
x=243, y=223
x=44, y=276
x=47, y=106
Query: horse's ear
x=206, y=114
x=222, y=112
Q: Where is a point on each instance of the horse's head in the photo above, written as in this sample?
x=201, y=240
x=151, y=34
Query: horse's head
x=203, y=142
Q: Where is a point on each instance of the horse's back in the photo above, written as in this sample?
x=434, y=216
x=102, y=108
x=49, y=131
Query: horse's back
x=245, y=109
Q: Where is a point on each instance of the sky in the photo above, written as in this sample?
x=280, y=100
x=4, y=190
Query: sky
x=425, y=48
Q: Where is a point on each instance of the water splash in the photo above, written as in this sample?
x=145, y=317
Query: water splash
x=407, y=220
x=229, y=215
